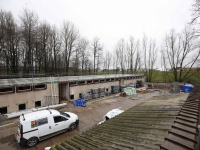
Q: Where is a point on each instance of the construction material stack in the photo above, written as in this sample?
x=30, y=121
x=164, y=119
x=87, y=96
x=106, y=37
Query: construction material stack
x=139, y=84
x=107, y=93
x=85, y=96
x=122, y=88
x=131, y=85
x=94, y=93
x=129, y=91
x=101, y=92
x=114, y=89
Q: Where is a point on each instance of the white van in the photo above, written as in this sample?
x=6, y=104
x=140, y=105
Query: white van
x=40, y=125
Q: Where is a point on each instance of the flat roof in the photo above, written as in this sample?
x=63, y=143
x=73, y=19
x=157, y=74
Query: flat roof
x=25, y=81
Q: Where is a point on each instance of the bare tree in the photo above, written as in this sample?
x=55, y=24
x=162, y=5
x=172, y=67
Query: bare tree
x=165, y=74
x=150, y=54
x=120, y=50
x=29, y=21
x=108, y=57
x=82, y=46
x=3, y=38
x=115, y=61
x=107, y=61
x=9, y=41
x=132, y=48
x=138, y=58
x=69, y=37
x=195, y=11
x=178, y=48
x=44, y=30
x=96, y=49
x=55, y=45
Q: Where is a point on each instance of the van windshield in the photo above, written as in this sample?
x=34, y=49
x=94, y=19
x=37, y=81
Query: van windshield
x=64, y=114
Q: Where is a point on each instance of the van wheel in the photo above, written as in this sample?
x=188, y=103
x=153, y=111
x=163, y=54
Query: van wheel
x=32, y=142
x=72, y=127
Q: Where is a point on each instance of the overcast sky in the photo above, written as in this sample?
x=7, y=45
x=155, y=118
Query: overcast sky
x=110, y=20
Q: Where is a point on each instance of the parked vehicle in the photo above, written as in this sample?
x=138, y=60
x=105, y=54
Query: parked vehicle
x=40, y=125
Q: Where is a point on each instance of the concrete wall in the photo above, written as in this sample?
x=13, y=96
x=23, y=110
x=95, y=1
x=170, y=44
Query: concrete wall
x=133, y=81
x=75, y=90
x=11, y=101
x=86, y=88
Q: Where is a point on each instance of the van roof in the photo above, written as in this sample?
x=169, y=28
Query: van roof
x=38, y=114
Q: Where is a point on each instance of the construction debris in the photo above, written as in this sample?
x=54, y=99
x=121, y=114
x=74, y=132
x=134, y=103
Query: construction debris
x=123, y=94
x=150, y=86
x=111, y=114
x=139, y=84
x=142, y=90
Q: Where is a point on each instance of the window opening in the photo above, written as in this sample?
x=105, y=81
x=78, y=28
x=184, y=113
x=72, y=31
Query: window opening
x=71, y=96
x=81, y=82
x=37, y=103
x=24, y=88
x=3, y=110
x=80, y=95
x=89, y=82
x=73, y=84
x=22, y=106
x=96, y=81
x=7, y=90
x=40, y=87
x=107, y=80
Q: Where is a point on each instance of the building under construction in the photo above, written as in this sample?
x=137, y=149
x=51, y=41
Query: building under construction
x=24, y=93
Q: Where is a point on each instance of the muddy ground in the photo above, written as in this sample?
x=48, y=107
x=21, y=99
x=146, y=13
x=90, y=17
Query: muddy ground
x=89, y=116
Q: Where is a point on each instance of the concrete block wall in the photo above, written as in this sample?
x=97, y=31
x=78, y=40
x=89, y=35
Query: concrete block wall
x=75, y=90
x=12, y=100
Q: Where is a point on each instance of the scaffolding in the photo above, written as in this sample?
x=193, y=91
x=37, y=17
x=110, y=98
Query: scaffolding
x=49, y=100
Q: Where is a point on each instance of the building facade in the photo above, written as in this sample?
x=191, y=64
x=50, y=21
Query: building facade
x=24, y=93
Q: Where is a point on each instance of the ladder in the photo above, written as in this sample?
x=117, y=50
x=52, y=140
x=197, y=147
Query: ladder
x=53, y=93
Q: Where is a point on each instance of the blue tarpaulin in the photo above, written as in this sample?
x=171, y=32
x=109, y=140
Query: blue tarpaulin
x=187, y=88
x=189, y=85
x=80, y=102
